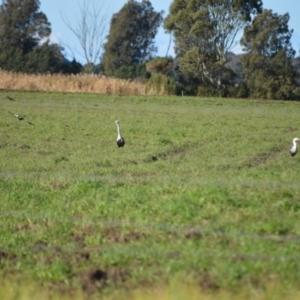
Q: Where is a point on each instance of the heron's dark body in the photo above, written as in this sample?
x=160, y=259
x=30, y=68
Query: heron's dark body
x=293, y=153
x=121, y=142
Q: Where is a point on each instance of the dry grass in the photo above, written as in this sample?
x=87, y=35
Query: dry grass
x=14, y=290
x=71, y=84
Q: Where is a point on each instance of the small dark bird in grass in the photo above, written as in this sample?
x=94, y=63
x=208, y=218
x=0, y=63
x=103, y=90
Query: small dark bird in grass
x=293, y=149
x=21, y=118
x=10, y=98
x=120, y=139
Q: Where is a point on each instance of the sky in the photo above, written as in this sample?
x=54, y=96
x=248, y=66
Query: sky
x=70, y=9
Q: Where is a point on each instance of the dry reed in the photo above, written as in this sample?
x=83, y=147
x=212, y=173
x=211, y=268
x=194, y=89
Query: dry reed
x=71, y=84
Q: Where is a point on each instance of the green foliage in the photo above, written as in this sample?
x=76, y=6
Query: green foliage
x=89, y=68
x=22, y=29
x=131, y=72
x=161, y=84
x=267, y=64
x=44, y=58
x=22, y=25
x=162, y=65
x=186, y=83
x=207, y=91
x=73, y=67
x=131, y=38
x=12, y=59
x=204, y=31
x=238, y=91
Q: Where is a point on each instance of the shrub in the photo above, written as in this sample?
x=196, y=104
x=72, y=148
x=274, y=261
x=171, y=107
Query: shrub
x=207, y=91
x=160, y=84
x=238, y=91
x=161, y=65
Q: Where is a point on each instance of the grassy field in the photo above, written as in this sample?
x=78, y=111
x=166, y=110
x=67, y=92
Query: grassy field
x=204, y=194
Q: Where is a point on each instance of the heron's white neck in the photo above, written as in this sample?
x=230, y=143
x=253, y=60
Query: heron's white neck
x=119, y=131
x=295, y=140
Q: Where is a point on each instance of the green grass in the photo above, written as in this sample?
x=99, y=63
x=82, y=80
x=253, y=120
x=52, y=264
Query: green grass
x=204, y=191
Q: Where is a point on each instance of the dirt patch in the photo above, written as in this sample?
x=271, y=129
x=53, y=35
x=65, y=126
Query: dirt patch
x=84, y=256
x=262, y=158
x=41, y=152
x=94, y=280
x=79, y=236
x=115, y=235
x=60, y=159
x=60, y=185
x=40, y=246
x=3, y=255
x=238, y=257
x=22, y=227
x=257, y=160
x=207, y=282
x=193, y=234
x=6, y=256
x=173, y=152
x=290, y=130
x=23, y=146
x=130, y=162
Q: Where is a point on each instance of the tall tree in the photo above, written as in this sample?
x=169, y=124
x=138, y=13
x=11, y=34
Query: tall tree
x=22, y=25
x=44, y=58
x=24, y=44
x=205, y=31
x=268, y=68
x=130, y=42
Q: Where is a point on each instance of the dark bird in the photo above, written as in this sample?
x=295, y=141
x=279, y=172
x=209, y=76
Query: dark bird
x=120, y=139
x=293, y=149
x=21, y=118
x=10, y=98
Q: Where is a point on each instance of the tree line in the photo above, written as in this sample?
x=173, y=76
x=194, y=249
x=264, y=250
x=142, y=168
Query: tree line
x=203, y=32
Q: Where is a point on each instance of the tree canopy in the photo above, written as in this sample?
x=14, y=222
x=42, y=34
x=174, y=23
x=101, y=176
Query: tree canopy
x=267, y=63
x=130, y=42
x=24, y=44
x=205, y=31
x=22, y=25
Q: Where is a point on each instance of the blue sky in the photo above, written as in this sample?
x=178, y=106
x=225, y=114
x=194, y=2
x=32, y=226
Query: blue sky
x=70, y=8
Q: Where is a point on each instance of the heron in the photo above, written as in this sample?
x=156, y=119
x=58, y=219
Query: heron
x=120, y=139
x=293, y=149
x=21, y=118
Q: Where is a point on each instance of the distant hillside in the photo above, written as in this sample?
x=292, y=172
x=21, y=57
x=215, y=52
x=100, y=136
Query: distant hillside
x=234, y=63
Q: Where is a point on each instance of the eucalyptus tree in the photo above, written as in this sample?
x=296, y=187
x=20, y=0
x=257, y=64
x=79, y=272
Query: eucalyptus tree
x=24, y=38
x=130, y=42
x=267, y=63
x=22, y=25
x=204, y=32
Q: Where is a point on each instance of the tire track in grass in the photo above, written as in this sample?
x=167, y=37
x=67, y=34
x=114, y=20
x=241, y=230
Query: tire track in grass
x=262, y=158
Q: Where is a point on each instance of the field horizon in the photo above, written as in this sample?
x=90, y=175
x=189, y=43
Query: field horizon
x=204, y=193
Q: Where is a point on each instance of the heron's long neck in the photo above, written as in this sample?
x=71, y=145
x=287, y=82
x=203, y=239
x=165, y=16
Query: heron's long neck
x=119, y=131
